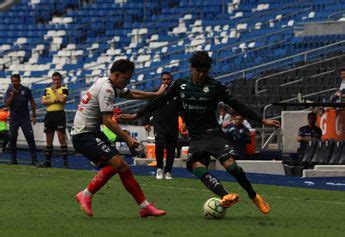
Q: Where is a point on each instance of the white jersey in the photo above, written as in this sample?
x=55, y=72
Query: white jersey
x=98, y=99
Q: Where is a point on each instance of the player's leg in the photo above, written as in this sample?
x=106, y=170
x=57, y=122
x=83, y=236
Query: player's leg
x=170, y=146
x=197, y=164
x=63, y=146
x=133, y=187
x=49, y=130
x=238, y=173
x=48, y=150
x=29, y=136
x=14, y=126
x=100, y=152
x=159, y=152
x=61, y=132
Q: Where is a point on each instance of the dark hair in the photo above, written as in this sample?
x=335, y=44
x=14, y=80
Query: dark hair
x=342, y=70
x=57, y=74
x=165, y=73
x=200, y=59
x=312, y=114
x=15, y=76
x=122, y=65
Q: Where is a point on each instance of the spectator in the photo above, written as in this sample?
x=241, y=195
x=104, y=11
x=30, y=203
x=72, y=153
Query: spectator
x=238, y=135
x=224, y=116
x=339, y=96
x=17, y=98
x=54, y=99
x=165, y=123
x=308, y=133
x=4, y=133
x=229, y=120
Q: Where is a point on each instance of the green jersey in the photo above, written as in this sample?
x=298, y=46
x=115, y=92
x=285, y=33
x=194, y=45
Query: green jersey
x=199, y=104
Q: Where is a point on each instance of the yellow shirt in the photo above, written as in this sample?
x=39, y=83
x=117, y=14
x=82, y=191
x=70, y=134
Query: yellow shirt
x=50, y=95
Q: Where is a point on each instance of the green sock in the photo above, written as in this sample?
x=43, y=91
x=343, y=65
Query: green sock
x=238, y=173
x=211, y=182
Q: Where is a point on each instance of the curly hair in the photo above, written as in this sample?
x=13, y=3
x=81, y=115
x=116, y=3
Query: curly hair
x=200, y=59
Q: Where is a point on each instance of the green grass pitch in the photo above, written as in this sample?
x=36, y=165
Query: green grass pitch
x=40, y=202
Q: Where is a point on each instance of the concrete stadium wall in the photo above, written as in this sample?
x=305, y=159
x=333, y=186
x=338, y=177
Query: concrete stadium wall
x=322, y=28
x=291, y=122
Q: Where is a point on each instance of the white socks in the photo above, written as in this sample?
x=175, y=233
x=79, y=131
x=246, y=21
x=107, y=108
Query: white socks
x=144, y=204
x=87, y=192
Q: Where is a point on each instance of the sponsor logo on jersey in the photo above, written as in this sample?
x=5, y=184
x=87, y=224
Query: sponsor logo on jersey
x=206, y=89
x=183, y=86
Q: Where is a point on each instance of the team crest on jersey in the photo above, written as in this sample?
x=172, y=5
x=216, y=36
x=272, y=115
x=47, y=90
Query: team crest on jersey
x=183, y=86
x=206, y=89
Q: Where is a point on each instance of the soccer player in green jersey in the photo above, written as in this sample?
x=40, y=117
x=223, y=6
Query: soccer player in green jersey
x=200, y=95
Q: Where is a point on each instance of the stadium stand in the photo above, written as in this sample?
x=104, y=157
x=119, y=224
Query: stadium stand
x=255, y=45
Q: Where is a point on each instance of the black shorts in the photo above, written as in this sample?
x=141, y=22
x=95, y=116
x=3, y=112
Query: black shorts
x=204, y=146
x=95, y=146
x=55, y=121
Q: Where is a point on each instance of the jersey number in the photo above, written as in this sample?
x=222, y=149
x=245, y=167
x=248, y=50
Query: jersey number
x=85, y=100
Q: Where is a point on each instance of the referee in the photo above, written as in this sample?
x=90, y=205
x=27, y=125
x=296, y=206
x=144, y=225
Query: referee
x=55, y=98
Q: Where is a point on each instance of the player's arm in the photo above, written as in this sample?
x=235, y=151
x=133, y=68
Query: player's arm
x=33, y=108
x=63, y=97
x=115, y=128
x=154, y=104
x=226, y=97
x=142, y=95
x=46, y=101
x=9, y=97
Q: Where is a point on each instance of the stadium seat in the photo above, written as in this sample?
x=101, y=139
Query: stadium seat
x=336, y=153
x=322, y=152
x=341, y=160
x=309, y=153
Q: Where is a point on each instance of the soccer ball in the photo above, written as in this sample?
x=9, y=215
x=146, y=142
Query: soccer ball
x=213, y=210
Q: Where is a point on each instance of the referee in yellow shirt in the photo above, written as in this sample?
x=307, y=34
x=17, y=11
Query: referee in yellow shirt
x=55, y=98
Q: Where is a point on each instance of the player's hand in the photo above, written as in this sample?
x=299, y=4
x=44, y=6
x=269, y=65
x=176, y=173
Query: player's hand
x=127, y=117
x=132, y=143
x=270, y=122
x=162, y=88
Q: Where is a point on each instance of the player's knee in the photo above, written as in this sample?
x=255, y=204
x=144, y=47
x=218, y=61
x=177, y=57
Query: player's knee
x=234, y=169
x=119, y=164
x=228, y=161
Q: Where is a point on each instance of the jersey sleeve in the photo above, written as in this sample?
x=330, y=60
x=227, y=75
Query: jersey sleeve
x=170, y=93
x=225, y=96
x=106, y=99
x=65, y=91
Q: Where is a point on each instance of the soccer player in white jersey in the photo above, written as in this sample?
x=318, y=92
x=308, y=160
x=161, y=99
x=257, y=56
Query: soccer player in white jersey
x=96, y=107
